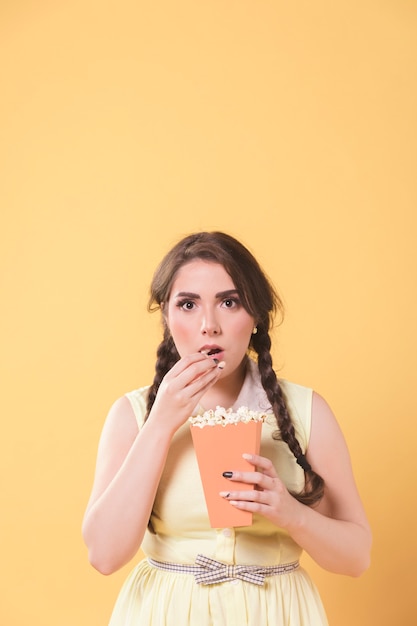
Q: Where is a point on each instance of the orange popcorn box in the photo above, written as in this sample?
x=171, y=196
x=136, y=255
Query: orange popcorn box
x=219, y=448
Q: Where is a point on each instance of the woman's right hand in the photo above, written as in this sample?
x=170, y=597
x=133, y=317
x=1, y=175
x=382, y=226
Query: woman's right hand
x=115, y=519
x=181, y=389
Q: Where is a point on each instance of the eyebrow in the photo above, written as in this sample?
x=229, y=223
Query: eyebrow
x=219, y=295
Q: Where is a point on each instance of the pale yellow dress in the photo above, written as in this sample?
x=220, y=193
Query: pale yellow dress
x=153, y=597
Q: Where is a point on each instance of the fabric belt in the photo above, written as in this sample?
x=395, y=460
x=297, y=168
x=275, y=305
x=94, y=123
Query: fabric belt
x=208, y=571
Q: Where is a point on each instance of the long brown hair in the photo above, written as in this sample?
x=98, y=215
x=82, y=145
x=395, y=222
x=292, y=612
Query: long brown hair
x=261, y=301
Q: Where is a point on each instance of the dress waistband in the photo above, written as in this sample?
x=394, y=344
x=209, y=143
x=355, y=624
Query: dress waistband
x=207, y=571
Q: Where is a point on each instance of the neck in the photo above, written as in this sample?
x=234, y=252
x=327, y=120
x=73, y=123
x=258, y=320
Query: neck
x=226, y=390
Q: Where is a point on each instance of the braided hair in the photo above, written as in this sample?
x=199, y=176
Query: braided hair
x=261, y=301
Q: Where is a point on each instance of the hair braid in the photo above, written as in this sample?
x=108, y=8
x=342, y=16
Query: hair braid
x=167, y=355
x=314, y=484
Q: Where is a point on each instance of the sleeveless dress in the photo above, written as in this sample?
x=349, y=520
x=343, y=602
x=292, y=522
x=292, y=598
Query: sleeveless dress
x=179, y=530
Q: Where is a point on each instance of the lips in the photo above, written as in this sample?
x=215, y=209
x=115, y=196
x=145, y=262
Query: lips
x=211, y=350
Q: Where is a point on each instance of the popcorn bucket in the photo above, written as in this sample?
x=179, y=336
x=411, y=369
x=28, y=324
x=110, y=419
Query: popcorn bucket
x=219, y=448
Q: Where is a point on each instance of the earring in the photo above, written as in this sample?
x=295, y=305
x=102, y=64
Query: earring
x=255, y=330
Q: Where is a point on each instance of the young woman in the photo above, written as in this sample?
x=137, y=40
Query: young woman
x=217, y=309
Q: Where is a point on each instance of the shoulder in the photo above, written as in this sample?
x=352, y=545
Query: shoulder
x=128, y=411
x=137, y=400
x=328, y=447
x=324, y=420
x=125, y=417
x=297, y=394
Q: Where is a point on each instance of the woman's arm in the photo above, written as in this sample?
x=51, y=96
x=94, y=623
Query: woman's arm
x=128, y=469
x=335, y=533
x=130, y=463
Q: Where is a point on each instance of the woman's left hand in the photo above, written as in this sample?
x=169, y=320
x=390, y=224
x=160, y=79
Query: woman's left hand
x=269, y=498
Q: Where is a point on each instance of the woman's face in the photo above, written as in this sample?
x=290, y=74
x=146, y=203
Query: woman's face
x=204, y=312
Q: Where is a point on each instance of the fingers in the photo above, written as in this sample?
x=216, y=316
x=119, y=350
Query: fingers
x=195, y=374
x=184, y=385
x=264, y=476
x=264, y=482
x=192, y=364
x=268, y=497
x=262, y=463
x=257, y=479
x=261, y=497
x=190, y=368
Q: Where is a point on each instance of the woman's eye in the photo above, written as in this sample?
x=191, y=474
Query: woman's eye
x=187, y=305
x=230, y=303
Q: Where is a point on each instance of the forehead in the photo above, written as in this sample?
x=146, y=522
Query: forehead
x=202, y=275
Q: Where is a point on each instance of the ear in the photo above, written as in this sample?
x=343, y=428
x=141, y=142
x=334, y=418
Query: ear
x=164, y=311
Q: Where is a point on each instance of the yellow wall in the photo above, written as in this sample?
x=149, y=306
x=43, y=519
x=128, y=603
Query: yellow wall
x=125, y=125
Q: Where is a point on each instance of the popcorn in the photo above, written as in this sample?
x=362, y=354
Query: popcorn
x=222, y=417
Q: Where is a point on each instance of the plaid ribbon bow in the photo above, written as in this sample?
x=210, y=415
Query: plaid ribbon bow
x=217, y=572
x=207, y=571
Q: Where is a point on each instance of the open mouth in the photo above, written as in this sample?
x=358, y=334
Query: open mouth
x=211, y=352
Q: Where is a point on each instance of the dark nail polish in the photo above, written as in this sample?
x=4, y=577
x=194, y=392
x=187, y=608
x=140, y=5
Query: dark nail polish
x=227, y=474
x=216, y=361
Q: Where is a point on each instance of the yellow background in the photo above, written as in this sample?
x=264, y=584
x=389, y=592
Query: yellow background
x=125, y=125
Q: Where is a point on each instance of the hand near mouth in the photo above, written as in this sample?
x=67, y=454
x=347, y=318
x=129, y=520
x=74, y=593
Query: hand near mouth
x=210, y=352
x=183, y=386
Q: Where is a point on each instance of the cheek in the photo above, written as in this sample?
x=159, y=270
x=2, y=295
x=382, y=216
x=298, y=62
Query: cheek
x=179, y=328
x=242, y=328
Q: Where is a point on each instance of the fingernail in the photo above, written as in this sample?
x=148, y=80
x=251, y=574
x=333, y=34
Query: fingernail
x=216, y=361
x=224, y=494
x=221, y=365
x=227, y=474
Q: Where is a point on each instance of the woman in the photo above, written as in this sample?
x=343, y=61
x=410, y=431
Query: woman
x=217, y=309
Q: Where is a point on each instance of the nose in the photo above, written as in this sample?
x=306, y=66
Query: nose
x=210, y=325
